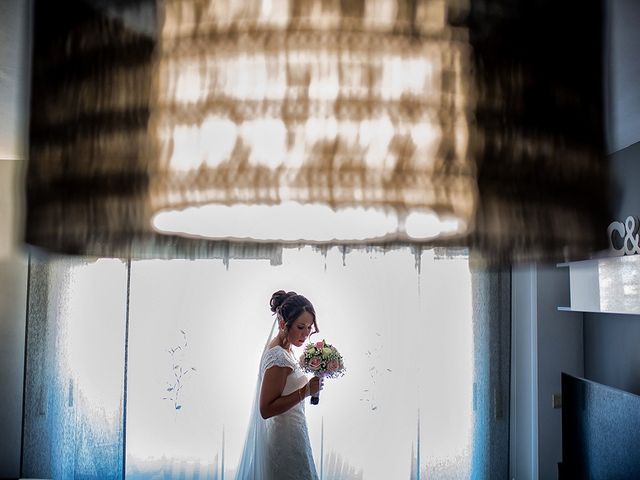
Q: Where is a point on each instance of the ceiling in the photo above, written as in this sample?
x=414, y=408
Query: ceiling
x=622, y=70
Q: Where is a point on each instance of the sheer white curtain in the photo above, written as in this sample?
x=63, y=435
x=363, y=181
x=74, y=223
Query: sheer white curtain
x=403, y=324
x=425, y=342
x=75, y=363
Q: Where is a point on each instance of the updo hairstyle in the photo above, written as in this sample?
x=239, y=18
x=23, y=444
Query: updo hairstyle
x=289, y=306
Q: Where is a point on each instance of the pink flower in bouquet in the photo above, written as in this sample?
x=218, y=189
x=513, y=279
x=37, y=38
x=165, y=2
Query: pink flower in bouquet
x=322, y=359
x=315, y=363
x=333, y=365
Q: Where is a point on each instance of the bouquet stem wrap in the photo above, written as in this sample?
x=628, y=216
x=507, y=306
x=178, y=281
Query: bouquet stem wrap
x=315, y=399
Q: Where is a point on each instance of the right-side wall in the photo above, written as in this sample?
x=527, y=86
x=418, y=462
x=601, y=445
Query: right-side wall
x=612, y=341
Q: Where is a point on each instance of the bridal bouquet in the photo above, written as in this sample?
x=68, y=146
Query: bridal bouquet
x=322, y=360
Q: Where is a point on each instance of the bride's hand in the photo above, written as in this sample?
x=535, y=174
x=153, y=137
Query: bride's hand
x=315, y=385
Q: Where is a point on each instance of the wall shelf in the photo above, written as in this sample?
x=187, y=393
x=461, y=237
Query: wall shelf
x=604, y=285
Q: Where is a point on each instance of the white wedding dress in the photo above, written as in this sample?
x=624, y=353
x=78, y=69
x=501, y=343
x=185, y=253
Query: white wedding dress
x=278, y=448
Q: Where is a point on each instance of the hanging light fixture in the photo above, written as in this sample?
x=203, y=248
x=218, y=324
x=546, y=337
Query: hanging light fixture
x=267, y=122
x=312, y=121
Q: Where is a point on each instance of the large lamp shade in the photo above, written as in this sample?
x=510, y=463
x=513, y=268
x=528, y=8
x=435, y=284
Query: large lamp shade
x=172, y=127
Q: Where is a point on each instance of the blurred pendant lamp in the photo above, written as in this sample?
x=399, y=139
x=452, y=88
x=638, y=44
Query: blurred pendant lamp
x=172, y=128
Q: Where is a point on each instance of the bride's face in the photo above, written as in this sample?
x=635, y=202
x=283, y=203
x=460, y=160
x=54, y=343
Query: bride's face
x=300, y=329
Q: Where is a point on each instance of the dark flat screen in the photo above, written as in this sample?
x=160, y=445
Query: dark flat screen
x=600, y=431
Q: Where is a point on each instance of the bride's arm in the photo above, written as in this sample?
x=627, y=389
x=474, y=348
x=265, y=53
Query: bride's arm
x=272, y=402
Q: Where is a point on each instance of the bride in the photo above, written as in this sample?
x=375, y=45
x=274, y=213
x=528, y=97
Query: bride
x=277, y=446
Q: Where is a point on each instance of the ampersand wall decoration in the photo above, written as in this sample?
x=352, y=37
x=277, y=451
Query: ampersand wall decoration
x=624, y=238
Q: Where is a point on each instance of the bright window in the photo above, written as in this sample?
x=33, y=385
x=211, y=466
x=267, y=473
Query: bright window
x=403, y=325
x=147, y=369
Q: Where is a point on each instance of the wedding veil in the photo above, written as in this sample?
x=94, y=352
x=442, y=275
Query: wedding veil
x=252, y=464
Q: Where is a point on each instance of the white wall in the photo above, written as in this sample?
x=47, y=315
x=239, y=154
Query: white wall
x=545, y=342
x=13, y=300
x=560, y=349
x=14, y=86
x=611, y=341
x=13, y=293
x=523, y=450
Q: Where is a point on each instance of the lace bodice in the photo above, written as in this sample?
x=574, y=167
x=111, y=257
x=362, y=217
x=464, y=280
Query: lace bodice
x=278, y=356
x=287, y=438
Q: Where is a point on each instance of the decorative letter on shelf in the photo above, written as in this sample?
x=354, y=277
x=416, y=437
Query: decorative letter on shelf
x=609, y=284
x=623, y=237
